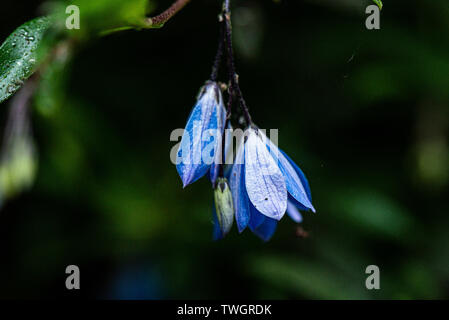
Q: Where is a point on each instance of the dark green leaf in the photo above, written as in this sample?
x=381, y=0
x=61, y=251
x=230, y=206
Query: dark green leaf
x=379, y=3
x=18, y=55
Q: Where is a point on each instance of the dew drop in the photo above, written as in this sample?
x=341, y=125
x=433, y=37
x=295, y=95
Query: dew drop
x=10, y=89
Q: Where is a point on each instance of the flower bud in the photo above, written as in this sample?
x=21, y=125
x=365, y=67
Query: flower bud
x=224, y=205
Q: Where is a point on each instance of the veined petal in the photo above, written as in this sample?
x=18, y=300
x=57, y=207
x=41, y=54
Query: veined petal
x=293, y=212
x=197, y=149
x=266, y=230
x=294, y=183
x=298, y=205
x=264, y=181
x=238, y=189
x=301, y=175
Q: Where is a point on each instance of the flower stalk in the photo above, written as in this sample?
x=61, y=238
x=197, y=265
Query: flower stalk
x=233, y=77
x=161, y=19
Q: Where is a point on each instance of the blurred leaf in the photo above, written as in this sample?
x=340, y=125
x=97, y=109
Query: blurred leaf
x=379, y=4
x=17, y=167
x=52, y=88
x=373, y=212
x=306, y=278
x=103, y=16
x=18, y=55
x=402, y=54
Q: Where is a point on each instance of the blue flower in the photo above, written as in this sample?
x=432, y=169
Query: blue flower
x=265, y=184
x=202, y=135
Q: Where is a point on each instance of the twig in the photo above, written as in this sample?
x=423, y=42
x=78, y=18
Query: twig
x=162, y=18
x=219, y=54
x=235, y=87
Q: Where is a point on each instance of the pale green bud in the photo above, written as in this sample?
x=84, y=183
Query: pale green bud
x=224, y=206
x=17, y=167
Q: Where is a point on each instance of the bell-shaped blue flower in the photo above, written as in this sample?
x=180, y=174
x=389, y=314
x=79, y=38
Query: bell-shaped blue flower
x=271, y=177
x=202, y=134
x=265, y=184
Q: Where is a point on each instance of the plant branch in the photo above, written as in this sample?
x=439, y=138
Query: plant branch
x=219, y=54
x=159, y=20
x=233, y=78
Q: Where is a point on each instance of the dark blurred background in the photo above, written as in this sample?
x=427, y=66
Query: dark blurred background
x=364, y=113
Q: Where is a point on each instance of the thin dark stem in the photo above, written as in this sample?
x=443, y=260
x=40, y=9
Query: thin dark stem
x=219, y=54
x=234, y=85
x=162, y=18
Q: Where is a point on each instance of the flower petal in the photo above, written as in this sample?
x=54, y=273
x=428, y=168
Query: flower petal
x=203, y=124
x=238, y=189
x=293, y=181
x=264, y=182
x=293, y=212
x=217, y=233
x=300, y=174
x=266, y=230
x=256, y=218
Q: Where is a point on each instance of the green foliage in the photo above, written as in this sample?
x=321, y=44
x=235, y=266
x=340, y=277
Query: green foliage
x=379, y=3
x=104, y=16
x=51, y=91
x=17, y=167
x=19, y=55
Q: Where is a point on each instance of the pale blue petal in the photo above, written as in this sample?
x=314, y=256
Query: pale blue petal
x=299, y=205
x=301, y=175
x=265, y=183
x=238, y=190
x=293, y=212
x=294, y=183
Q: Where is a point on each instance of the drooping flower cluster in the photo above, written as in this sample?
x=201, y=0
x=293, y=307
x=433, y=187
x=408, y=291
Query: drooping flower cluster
x=261, y=186
x=262, y=183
